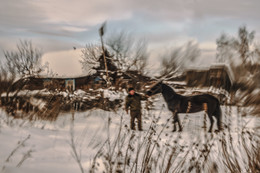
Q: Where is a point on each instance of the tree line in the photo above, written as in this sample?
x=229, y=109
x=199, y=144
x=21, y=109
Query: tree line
x=126, y=53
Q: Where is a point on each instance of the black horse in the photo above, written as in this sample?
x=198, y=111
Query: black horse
x=188, y=104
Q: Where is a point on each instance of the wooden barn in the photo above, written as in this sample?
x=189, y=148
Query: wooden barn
x=217, y=75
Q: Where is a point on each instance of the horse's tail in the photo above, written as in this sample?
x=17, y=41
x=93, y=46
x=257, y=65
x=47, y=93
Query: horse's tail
x=218, y=114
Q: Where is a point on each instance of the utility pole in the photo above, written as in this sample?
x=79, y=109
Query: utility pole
x=101, y=33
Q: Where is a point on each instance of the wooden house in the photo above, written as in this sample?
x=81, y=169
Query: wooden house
x=85, y=82
x=217, y=75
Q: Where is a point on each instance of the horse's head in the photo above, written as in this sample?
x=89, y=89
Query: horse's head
x=155, y=89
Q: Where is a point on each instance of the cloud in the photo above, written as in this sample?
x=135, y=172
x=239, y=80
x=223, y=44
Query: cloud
x=233, y=9
x=88, y=13
x=82, y=12
x=199, y=9
x=61, y=24
x=73, y=29
x=19, y=15
x=68, y=18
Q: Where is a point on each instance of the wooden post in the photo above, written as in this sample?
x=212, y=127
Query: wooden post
x=101, y=33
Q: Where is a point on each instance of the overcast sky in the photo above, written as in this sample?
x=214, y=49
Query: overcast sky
x=57, y=26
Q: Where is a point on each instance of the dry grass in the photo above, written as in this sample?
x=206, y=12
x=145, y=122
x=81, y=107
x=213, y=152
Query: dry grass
x=141, y=152
x=158, y=150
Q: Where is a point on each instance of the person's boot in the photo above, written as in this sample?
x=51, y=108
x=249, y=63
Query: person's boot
x=132, y=126
x=174, y=128
x=140, y=126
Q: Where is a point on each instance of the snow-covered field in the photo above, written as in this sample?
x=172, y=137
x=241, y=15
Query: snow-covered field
x=100, y=141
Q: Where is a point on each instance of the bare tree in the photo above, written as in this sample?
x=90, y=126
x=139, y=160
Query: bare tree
x=241, y=52
x=4, y=73
x=229, y=48
x=243, y=55
x=120, y=44
x=90, y=57
x=128, y=52
x=7, y=76
x=256, y=52
x=139, y=61
x=169, y=64
x=26, y=60
x=178, y=59
x=243, y=43
x=225, y=51
x=121, y=51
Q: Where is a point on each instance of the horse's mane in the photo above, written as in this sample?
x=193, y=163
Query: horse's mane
x=168, y=89
x=169, y=92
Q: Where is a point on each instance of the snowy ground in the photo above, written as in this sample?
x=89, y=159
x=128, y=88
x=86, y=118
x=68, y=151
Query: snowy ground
x=42, y=146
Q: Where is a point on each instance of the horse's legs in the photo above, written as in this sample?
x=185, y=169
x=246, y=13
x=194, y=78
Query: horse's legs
x=179, y=123
x=211, y=122
x=219, y=125
x=205, y=107
x=176, y=120
x=174, y=127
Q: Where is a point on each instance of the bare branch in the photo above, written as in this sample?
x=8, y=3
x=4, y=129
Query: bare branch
x=179, y=58
x=123, y=53
x=25, y=61
x=90, y=56
x=128, y=53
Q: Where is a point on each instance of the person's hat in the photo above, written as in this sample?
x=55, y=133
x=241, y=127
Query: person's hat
x=131, y=88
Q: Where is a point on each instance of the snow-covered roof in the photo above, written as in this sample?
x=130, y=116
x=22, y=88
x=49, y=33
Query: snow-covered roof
x=64, y=77
x=197, y=68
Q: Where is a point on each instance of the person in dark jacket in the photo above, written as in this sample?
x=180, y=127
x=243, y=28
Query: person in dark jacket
x=133, y=101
